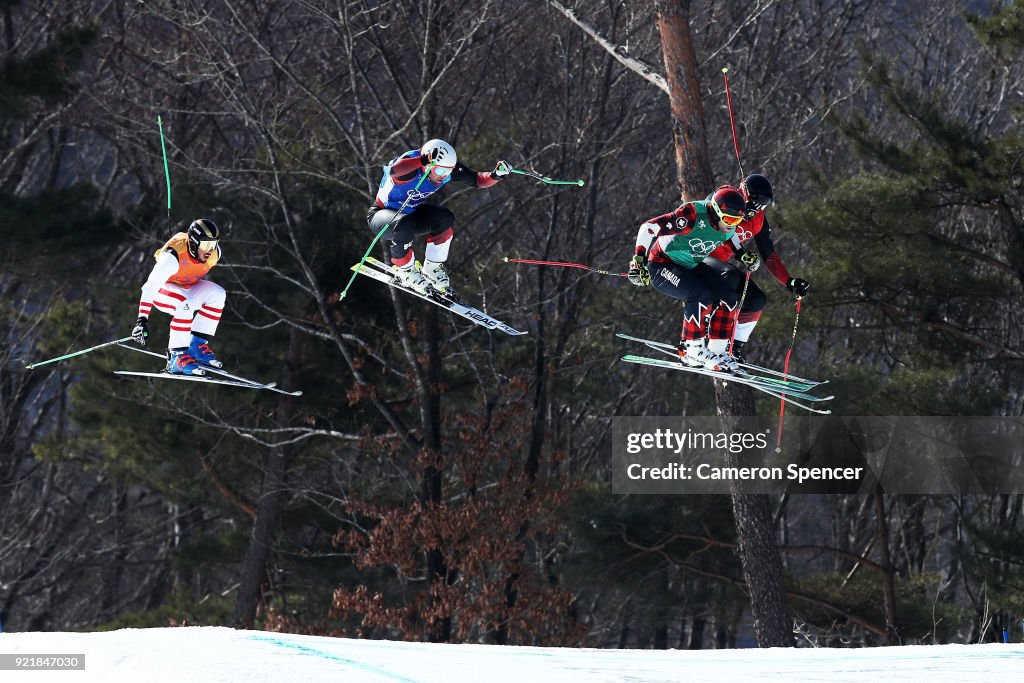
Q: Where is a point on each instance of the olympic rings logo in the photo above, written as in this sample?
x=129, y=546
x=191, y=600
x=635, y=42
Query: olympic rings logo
x=700, y=246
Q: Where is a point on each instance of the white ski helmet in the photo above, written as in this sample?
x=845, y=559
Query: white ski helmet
x=441, y=153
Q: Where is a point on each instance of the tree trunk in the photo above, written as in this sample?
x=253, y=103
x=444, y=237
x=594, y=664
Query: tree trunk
x=272, y=496
x=431, y=491
x=759, y=553
x=885, y=560
x=689, y=133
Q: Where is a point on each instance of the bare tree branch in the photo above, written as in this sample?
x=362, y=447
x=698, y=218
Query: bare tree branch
x=646, y=71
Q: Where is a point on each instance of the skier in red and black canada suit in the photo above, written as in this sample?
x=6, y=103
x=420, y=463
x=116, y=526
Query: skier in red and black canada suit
x=737, y=256
x=403, y=187
x=669, y=254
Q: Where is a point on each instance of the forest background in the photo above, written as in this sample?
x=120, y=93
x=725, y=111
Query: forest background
x=436, y=481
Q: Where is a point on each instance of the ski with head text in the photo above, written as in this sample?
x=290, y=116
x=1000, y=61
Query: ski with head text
x=376, y=270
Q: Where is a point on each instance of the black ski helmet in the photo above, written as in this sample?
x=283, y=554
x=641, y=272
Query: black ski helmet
x=202, y=230
x=760, y=194
x=728, y=203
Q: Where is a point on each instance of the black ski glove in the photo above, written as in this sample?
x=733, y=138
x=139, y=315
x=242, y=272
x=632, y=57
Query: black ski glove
x=140, y=333
x=798, y=286
x=751, y=260
x=638, y=273
x=426, y=159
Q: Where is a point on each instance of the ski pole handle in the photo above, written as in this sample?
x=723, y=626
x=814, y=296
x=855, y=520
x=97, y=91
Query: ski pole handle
x=545, y=179
x=78, y=353
x=563, y=264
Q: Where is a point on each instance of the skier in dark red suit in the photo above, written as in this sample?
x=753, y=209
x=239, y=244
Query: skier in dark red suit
x=745, y=251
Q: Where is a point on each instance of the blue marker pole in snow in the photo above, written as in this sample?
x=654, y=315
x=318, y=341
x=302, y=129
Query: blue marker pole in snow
x=1006, y=635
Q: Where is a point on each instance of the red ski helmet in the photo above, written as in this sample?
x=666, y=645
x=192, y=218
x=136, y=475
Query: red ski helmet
x=729, y=205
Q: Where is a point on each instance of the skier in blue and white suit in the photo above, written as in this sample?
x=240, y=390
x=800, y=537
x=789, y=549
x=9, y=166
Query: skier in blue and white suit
x=407, y=181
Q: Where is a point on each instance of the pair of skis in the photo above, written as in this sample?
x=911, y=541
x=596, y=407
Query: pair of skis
x=225, y=378
x=788, y=388
x=371, y=268
x=376, y=270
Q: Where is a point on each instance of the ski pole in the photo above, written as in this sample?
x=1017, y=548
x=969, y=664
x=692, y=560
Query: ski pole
x=732, y=122
x=78, y=353
x=739, y=308
x=545, y=179
x=398, y=214
x=167, y=172
x=785, y=373
x=563, y=264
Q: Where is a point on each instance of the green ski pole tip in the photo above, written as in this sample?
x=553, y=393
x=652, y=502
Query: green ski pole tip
x=580, y=183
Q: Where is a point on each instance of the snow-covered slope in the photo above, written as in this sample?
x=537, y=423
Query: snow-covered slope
x=221, y=655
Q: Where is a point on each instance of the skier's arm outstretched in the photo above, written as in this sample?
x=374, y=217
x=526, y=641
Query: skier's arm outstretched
x=482, y=179
x=774, y=264
x=166, y=266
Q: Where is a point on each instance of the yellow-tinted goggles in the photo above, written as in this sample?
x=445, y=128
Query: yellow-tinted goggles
x=207, y=245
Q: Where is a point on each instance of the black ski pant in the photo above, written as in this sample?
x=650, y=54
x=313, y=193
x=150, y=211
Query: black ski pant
x=426, y=219
x=755, y=300
x=703, y=292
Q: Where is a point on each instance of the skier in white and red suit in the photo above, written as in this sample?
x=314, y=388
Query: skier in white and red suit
x=177, y=286
x=736, y=257
x=404, y=187
x=669, y=255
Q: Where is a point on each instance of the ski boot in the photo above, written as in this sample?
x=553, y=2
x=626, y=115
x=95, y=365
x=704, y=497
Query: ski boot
x=201, y=352
x=737, y=351
x=412, y=278
x=179, y=362
x=727, y=362
x=695, y=354
x=434, y=272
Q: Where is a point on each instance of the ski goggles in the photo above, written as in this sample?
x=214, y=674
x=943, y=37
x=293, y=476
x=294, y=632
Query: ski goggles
x=207, y=245
x=731, y=221
x=442, y=171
